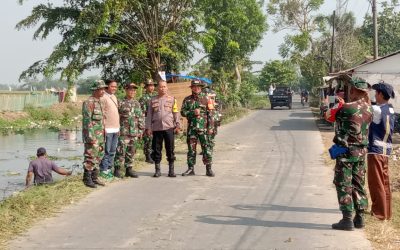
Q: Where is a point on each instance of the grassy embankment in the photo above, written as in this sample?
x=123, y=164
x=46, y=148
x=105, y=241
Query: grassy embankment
x=23, y=209
x=382, y=234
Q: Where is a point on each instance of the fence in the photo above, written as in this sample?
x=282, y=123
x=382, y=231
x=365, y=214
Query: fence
x=18, y=101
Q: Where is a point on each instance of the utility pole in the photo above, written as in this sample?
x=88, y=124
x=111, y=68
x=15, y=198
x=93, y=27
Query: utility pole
x=375, y=23
x=333, y=41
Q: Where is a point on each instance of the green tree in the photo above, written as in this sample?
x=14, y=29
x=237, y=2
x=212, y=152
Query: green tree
x=121, y=37
x=388, y=29
x=278, y=72
x=301, y=17
x=233, y=30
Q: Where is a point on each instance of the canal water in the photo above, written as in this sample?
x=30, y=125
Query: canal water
x=64, y=147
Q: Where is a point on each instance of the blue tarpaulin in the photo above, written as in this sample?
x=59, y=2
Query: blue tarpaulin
x=206, y=80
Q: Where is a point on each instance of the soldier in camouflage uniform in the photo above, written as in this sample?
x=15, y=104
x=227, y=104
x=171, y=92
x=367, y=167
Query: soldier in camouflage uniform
x=144, y=103
x=132, y=127
x=93, y=134
x=197, y=110
x=352, y=120
x=214, y=115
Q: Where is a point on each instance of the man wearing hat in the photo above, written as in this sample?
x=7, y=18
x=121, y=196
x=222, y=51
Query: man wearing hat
x=93, y=133
x=379, y=150
x=41, y=169
x=351, y=134
x=131, y=130
x=196, y=108
x=144, y=103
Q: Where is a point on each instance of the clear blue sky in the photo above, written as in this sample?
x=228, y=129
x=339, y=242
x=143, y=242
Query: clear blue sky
x=18, y=51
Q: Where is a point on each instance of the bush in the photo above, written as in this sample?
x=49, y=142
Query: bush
x=41, y=114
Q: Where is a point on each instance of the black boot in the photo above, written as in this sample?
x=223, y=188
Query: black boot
x=131, y=173
x=87, y=178
x=188, y=172
x=117, y=172
x=346, y=223
x=158, y=170
x=149, y=159
x=209, y=171
x=171, y=172
x=95, y=177
x=359, y=219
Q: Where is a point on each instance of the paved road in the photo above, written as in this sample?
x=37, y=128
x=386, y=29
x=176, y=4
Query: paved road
x=271, y=191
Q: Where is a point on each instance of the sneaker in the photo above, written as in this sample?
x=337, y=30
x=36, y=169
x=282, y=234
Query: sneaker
x=107, y=175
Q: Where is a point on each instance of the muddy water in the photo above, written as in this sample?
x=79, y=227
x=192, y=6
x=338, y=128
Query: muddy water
x=16, y=151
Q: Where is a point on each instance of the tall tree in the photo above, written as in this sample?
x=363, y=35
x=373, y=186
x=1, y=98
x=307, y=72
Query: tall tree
x=388, y=29
x=118, y=36
x=233, y=30
x=299, y=16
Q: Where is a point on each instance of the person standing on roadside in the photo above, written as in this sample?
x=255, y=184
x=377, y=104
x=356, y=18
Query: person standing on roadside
x=163, y=123
x=111, y=124
x=93, y=135
x=132, y=127
x=351, y=138
x=379, y=150
x=144, y=103
x=214, y=115
x=196, y=108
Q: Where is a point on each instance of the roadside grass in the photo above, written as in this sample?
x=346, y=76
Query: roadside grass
x=382, y=234
x=22, y=210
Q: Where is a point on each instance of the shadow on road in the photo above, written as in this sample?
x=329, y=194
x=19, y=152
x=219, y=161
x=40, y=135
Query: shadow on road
x=270, y=207
x=246, y=221
x=302, y=115
x=296, y=124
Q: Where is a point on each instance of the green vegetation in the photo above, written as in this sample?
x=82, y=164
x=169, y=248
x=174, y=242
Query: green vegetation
x=23, y=209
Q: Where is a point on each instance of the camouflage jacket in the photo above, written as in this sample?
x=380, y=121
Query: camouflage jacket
x=214, y=107
x=352, y=122
x=92, y=121
x=130, y=118
x=192, y=102
x=144, y=101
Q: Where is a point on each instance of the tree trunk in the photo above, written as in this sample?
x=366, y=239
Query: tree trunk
x=238, y=76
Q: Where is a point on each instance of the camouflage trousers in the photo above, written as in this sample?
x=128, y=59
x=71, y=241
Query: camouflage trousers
x=147, y=144
x=349, y=180
x=92, y=155
x=193, y=137
x=126, y=151
x=211, y=141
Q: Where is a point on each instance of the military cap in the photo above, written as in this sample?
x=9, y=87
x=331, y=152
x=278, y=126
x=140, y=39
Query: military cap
x=149, y=82
x=359, y=84
x=385, y=88
x=98, y=84
x=196, y=82
x=130, y=85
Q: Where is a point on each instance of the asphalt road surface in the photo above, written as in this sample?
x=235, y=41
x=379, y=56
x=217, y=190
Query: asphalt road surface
x=271, y=191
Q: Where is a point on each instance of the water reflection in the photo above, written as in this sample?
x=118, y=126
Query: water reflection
x=16, y=150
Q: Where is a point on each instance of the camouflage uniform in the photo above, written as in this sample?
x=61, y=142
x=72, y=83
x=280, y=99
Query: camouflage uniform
x=198, y=127
x=132, y=127
x=147, y=139
x=214, y=115
x=353, y=121
x=92, y=132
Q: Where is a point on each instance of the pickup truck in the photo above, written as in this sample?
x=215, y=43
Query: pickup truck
x=282, y=97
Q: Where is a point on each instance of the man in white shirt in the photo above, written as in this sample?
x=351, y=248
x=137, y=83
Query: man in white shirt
x=111, y=124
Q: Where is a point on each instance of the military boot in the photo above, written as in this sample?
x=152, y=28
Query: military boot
x=188, y=172
x=87, y=178
x=149, y=159
x=346, y=223
x=171, y=172
x=359, y=219
x=158, y=170
x=131, y=173
x=117, y=172
x=209, y=171
x=95, y=177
